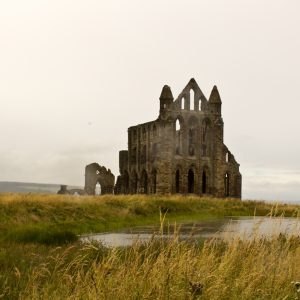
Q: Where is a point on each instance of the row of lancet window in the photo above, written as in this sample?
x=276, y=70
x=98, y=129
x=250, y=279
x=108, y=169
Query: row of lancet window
x=191, y=182
x=144, y=182
x=150, y=187
x=204, y=182
x=192, y=101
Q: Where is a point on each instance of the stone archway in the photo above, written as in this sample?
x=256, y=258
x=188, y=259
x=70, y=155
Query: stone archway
x=98, y=188
x=94, y=173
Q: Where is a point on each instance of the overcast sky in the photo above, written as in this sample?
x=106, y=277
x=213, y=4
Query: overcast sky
x=74, y=75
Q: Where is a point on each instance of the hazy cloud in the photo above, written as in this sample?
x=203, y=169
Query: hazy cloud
x=76, y=74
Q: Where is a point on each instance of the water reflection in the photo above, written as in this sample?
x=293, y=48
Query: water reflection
x=262, y=227
x=222, y=228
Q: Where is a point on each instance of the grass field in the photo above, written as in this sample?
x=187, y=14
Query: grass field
x=40, y=257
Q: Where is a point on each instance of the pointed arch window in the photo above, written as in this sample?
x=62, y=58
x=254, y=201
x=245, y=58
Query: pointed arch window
x=191, y=181
x=178, y=126
x=204, y=182
x=226, y=184
x=192, y=99
x=178, y=137
x=177, y=181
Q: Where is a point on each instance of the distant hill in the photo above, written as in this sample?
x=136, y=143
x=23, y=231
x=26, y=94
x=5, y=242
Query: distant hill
x=26, y=187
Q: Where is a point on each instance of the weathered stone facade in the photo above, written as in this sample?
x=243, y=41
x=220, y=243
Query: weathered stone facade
x=182, y=151
x=94, y=173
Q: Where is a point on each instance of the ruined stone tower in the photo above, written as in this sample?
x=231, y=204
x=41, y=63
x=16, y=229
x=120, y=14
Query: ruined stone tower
x=182, y=151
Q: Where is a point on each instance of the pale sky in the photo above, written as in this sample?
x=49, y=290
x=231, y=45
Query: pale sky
x=74, y=75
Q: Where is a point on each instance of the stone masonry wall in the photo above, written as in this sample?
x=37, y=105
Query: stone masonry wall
x=182, y=151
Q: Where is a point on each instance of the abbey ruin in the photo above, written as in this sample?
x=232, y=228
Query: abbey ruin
x=96, y=174
x=182, y=151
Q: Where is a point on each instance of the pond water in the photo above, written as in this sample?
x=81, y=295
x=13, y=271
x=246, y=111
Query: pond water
x=243, y=227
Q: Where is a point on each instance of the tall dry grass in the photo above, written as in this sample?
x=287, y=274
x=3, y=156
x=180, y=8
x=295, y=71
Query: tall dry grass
x=235, y=269
x=162, y=269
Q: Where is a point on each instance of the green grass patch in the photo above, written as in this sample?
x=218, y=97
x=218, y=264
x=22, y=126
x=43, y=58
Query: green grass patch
x=42, y=235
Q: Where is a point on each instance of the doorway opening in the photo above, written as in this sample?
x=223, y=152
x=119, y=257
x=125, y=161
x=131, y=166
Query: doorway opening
x=98, y=189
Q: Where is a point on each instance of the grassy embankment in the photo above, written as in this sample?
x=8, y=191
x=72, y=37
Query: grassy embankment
x=51, y=219
x=33, y=267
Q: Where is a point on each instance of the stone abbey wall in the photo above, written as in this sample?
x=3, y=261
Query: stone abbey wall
x=182, y=151
x=96, y=174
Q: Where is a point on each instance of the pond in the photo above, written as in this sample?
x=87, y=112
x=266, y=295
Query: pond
x=244, y=227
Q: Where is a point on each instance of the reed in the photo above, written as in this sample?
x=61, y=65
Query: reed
x=235, y=269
